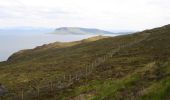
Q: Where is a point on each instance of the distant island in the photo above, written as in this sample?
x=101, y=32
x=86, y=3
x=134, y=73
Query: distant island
x=81, y=31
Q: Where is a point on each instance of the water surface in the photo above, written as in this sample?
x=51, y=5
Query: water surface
x=11, y=43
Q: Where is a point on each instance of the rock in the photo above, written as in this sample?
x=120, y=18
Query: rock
x=3, y=90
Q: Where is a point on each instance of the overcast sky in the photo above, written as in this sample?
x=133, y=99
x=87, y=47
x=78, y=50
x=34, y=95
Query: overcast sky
x=103, y=14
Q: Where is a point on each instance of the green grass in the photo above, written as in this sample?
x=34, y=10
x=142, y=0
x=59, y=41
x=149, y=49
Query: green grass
x=158, y=91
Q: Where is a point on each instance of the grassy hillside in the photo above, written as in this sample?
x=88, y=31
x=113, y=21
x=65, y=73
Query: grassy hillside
x=140, y=71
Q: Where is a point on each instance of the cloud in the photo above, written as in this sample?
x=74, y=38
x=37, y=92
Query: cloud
x=104, y=14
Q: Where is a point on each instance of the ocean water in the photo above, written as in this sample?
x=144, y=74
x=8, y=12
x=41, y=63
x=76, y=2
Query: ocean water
x=11, y=43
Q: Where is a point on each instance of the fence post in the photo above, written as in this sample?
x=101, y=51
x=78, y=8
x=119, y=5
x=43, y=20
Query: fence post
x=87, y=73
x=22, y=94
x=90, y=69
x=64, y=77
x=76, y=77
x=51, y=88
x=58, y=84
x=93, y=65
x=70, y=78
x=38, y=92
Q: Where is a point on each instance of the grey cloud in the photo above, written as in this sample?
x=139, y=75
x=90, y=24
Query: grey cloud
x=159, y=3
x=33, y=12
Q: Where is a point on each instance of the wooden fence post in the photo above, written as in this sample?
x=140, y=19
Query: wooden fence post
x=76, y=77
x=86, y=73
x=90, y=69
x=93, y=65
x=22, y=94
x=70, y=78
x=51, y=86
x=38, y=92
x=58, y=84
x=64, y=77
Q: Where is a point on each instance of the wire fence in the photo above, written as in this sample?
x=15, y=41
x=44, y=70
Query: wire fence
x=50, y=88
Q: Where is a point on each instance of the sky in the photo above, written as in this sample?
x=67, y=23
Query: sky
x=102, y=14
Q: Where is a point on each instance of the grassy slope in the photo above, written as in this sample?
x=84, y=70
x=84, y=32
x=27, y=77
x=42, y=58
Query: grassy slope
x=141, y=71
